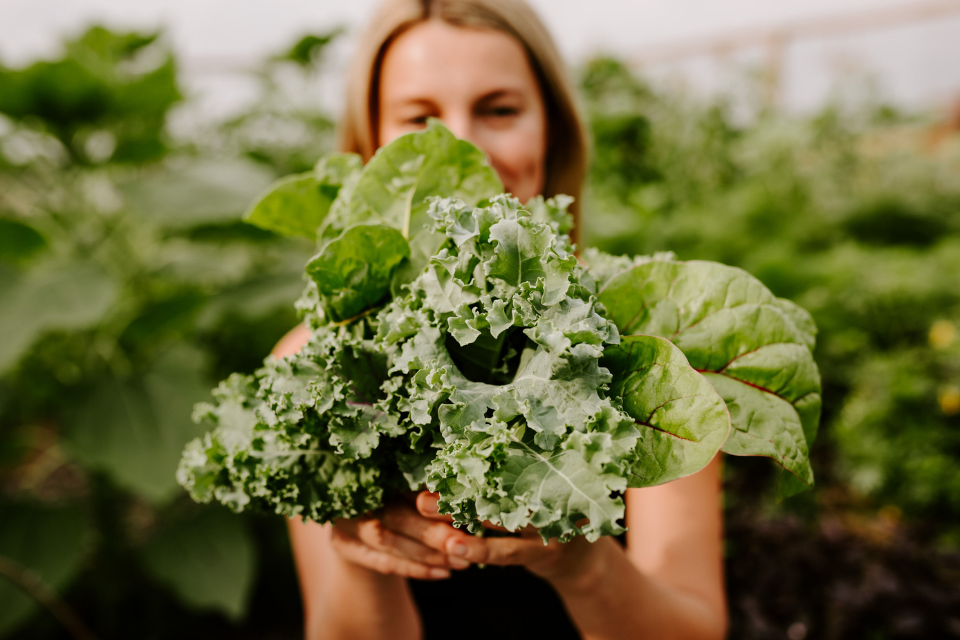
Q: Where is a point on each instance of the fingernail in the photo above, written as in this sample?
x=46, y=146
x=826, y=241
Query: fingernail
x=459, y=549
x=458, y=563
x=439, y=573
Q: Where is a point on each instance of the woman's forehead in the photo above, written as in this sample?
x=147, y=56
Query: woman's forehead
x=434, y=59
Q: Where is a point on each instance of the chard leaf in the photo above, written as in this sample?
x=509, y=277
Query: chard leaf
x=296, y=205
x=753, y=347
x=353, y=272
x=396, y=183
x=683, y=421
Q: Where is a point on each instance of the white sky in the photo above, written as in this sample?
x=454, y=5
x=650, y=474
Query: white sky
x=916, y=64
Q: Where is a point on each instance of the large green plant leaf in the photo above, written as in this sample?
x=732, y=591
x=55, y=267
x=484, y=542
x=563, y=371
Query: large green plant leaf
x=209, y=562
x=752, y=346
x=50, y=542
x=136, y=431
x=19, y=241
x=353, y=271
x=683, y=421
x=199, y=193
x=397, y=181
x=297, y=205
x=71, y=296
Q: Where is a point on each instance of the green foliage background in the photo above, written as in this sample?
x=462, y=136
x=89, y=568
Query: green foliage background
x=128, y=287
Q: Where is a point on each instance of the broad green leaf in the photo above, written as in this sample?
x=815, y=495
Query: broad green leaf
x=423, y=246
x=753, y=347
x=353, y=272
x=199, y=193
x=136, y=431
x=254, y=299
x=297, y=205
x=395, y=184
x=682, y=419
x=50, y=542
x=19, y=241
x=71, y=296
x=209, y=562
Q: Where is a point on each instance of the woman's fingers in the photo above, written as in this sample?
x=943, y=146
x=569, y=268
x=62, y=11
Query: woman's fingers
x=375, y=534
x=354, y=550
x=503, y=551
x=427, y=506
x=405, y=520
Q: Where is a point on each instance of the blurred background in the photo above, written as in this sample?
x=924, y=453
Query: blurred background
x=815, y=144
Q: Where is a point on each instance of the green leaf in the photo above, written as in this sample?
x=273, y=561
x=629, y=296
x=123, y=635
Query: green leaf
x=49, y=541
x=297, y=205
x=683, y=421
x=209, y=562
x=199, y=193
x=753, y=347
x=521, y=242
x=396, y=183
x=68, y=297
x=564, y=487
x=136, y=430
x=19, y=241
x=353, y=272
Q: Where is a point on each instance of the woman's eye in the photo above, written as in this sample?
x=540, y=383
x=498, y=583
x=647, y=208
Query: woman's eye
x=502, y=112
x=418, y=120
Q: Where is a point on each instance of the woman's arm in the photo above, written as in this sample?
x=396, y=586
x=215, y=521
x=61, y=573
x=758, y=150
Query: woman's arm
x=667, y=583
x=672, y=587
x=345, y=600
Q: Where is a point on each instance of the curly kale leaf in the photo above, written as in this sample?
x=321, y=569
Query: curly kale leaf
x=306, y=435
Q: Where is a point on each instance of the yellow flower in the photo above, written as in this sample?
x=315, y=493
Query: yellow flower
x=942, y=334
x=949, y=399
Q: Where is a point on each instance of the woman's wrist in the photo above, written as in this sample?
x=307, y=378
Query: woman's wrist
x=587, y=570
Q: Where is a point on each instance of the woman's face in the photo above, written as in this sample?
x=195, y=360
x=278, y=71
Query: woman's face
x=480, y=84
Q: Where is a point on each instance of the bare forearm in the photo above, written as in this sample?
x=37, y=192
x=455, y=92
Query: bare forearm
x=362, y=604
x=612, y=599
x=344, y=600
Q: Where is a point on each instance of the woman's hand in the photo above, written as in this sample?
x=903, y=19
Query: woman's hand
x=553, y=561
x=400, y=541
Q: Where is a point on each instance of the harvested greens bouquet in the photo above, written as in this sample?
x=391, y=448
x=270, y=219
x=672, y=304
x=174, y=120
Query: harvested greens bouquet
x=457, y=344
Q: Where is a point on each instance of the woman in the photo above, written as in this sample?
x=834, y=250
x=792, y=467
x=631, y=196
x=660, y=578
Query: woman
x=489, y=71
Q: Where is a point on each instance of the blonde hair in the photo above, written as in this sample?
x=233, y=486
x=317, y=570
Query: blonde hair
x=566, y=161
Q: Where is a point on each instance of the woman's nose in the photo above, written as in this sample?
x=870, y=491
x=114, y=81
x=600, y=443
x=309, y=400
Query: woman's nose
x=460, y=125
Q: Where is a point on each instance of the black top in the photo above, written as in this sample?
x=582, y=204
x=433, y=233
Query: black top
x=492, y=602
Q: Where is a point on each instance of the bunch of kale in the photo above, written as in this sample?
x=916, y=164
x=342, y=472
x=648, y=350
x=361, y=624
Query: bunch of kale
x=458, y=345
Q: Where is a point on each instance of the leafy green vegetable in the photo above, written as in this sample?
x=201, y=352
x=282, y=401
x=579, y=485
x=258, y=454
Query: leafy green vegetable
x=491, y=373
x=354, y=271
x=394, y=186
x=684, y=418
x=753, y=347
x=297, y=205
